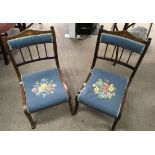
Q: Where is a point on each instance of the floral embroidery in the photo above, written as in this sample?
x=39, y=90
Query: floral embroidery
x=104, y=89
x=43, y=87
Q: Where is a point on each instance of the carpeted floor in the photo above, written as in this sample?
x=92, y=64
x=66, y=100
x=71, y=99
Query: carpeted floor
x=75, y=59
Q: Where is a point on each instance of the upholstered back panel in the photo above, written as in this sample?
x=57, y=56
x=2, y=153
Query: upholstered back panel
x=30, y=40
x=122, y=42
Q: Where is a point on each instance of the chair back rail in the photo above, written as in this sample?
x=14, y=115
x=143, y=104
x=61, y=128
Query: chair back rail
x=122, y=42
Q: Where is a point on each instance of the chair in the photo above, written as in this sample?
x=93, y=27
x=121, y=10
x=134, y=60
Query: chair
x=41, y=89
x=106, y=91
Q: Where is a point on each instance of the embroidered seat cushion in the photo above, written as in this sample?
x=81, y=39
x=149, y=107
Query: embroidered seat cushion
x=104, y=92
x=43, y=89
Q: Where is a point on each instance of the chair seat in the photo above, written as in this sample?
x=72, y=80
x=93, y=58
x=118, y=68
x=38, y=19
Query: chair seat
x=43, y=89
x=104, y=92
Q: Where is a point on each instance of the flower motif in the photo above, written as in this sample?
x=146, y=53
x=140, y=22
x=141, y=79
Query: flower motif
x=43, y=87
x=104, y=89
x=111, y=88
x=96, y=89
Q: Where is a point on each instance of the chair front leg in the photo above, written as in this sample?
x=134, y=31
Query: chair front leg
x=28, y=115
x=115, y=123
x=76, y=104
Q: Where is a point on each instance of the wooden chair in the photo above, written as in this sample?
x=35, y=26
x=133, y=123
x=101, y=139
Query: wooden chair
x=41, y=89
x=106, y=91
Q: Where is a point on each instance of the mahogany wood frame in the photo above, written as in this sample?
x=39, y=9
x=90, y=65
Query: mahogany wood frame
x=29, y=33
x=115, y=60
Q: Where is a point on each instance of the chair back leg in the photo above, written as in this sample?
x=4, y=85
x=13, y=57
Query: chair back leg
x=76, y=105
x=33, y=125
x=70, y=105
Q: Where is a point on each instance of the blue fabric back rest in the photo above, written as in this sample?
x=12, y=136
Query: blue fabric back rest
x=30, y=40
x=122, y=42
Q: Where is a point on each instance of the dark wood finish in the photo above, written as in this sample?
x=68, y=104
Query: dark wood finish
x=116, y=59
x=127, y=25
x=20, y=26
x=114, y=27
x=112, y=52
x=115, y=123
x=32, y=123
x=17, y=65
x=76, y=104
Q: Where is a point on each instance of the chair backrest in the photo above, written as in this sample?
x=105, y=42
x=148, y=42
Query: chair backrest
x=24, y=40
x=122, y=42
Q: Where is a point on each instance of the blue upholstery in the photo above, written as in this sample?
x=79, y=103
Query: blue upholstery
x=93, y=95
x=43, y=89
x=122, y=42
x=30, y=40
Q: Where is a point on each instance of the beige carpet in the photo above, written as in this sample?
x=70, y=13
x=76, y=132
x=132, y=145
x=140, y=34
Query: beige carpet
x=75, y=59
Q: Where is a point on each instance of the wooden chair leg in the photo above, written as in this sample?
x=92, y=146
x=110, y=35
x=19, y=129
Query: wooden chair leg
x=3, y=50
x=115, y=123
x=33, y=126
x=19, y=25
x=76, y=105
x=70, y=106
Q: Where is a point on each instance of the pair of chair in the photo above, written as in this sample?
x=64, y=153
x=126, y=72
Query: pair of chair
x=103, y=90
